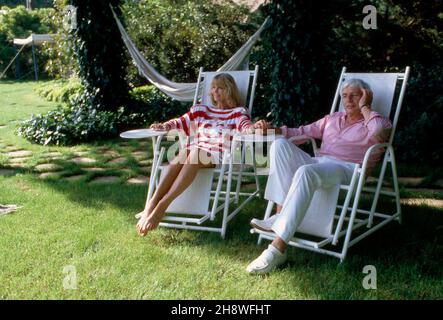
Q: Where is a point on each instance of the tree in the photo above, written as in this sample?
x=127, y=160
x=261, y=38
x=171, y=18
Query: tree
x=100, y=54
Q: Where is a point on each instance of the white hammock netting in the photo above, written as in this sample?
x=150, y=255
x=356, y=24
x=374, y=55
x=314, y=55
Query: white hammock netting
x=184, y=91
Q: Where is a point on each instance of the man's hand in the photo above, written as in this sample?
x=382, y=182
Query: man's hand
x=366, y=99
x=261, y=127
x=365, y=103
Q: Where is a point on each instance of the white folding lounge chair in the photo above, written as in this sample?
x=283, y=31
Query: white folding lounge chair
x=327, y=220
x=200, y=202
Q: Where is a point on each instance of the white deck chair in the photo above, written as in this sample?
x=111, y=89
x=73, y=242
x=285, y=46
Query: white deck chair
x=325, y=218
x=200, y=201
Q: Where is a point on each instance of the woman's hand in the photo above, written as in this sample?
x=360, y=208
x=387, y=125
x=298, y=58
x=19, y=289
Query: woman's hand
x=158, y=127
x=262, y=126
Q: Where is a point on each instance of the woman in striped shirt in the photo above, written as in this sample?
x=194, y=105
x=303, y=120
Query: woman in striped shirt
x=212, y=129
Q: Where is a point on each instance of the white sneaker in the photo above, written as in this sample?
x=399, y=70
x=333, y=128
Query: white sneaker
x=264, y=225
x=267, y=261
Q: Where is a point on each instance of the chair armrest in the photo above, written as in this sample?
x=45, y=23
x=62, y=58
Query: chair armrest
x=371, y=150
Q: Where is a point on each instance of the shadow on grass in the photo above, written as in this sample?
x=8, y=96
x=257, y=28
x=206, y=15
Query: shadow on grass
x=407, y=257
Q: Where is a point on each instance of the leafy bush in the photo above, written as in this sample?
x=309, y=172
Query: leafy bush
x=179, y=37
x=311, y=41
x=150, y=105
x=61, y=90
x=69, y=125
x=76, y=121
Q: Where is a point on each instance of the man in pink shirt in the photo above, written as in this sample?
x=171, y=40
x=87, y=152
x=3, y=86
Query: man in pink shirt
x=295, y=175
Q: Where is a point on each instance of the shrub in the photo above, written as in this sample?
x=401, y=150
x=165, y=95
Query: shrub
x=76, y=121
x=61, y=90
x=69, y=125
x=311, y=41
x=179, y=37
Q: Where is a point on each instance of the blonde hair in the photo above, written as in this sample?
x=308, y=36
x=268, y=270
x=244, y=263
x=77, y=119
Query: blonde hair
x=227, y=82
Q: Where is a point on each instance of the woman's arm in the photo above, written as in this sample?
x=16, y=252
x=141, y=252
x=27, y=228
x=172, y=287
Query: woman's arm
x=181, y=123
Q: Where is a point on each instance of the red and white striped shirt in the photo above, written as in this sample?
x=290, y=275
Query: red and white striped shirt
x=212, y=128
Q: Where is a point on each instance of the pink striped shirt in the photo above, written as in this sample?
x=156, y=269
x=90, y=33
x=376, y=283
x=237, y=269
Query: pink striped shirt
x=346, y=142
x=212, y=128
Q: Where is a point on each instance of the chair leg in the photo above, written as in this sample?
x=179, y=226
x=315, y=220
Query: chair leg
x=395, y=180
x=267, y=215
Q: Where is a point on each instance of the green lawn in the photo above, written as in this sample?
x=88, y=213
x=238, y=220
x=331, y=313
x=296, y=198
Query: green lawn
x=90, y=228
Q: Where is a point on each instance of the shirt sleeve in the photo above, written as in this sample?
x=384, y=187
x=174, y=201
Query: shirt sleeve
x=183, y=122
x=314, y=130
x=244, y=123
x=379, y=127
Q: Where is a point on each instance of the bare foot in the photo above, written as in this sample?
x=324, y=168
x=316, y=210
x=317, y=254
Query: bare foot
x=151, y=222
x=141, y=222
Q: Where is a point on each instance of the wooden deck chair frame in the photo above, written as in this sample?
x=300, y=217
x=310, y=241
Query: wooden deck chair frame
x=349, y=210
x=193, y=219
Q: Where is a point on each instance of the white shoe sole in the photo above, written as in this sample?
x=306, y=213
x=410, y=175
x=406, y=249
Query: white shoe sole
x=256, y=226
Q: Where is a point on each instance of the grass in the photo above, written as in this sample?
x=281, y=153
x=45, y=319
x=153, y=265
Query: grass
x=90, y=227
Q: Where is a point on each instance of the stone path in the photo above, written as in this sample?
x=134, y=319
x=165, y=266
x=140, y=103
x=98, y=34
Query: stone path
x=92, y=167
x=56, y=165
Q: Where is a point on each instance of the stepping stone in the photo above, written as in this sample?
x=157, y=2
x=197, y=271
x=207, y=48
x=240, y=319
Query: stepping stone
x=423, y=201
x=82, y=160
x=145, y=169
x=47, y=167
x=75, y=178
x=19, y=154
x=410, y=181
x=108, y=179
x=18, y=160
x=17, y=165
x=7, y=172
x=94, y=169
x=48, y=175
x=111, y=153
x=140, y=154
x=145, y=162
x=138, y=180
x=118, y=160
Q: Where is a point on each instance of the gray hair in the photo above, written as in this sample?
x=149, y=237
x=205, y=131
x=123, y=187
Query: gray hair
x=355, y=83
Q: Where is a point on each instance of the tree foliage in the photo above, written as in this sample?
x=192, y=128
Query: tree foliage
x=178, y=37
x=312, y=40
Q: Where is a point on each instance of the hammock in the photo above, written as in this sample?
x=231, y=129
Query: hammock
x=184, y=91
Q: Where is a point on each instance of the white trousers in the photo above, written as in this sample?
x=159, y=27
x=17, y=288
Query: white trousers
x=293, y=178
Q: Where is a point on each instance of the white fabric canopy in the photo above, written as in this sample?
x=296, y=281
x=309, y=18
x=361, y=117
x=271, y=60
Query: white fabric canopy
x=36, y=38
x=184, y=91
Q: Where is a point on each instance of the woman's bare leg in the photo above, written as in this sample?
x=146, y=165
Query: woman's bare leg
x=171, y=174
x=165, y=184
x=184, y=179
